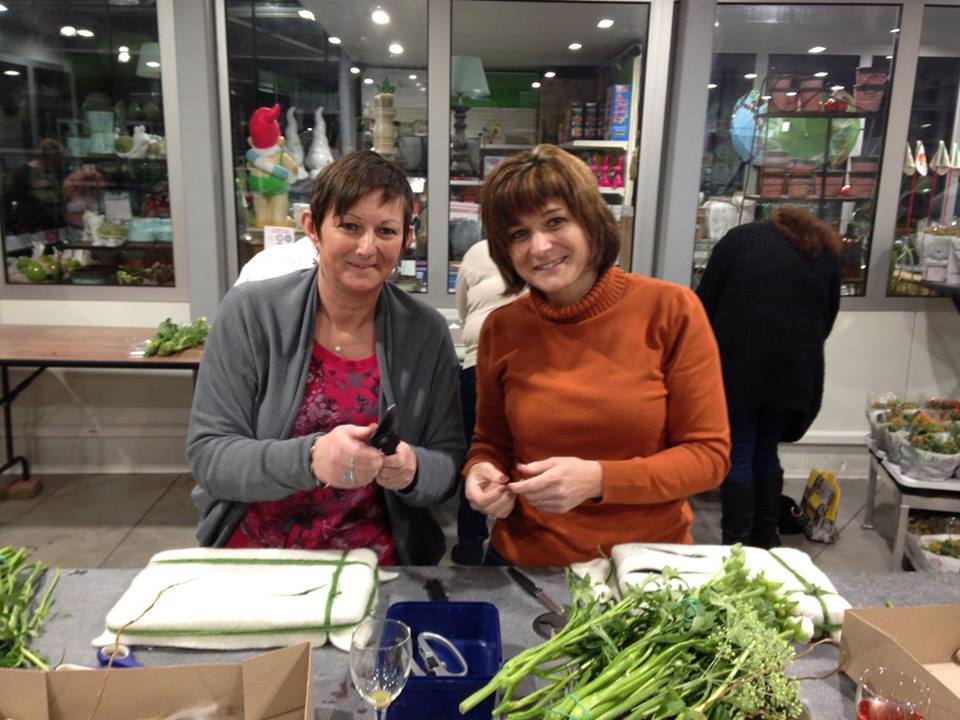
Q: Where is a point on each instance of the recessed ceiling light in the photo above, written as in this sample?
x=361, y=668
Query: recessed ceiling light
x=716, y=23
x=750, y=76
x=334, y=40
x=821, y=74
x=836, y=88
x=926, y=125
x=355, y=70
x=605, y=23
x=395, y=48
x=816, y=49
x=68, y=31
x=419, y=84
x=368, y=81
x=152, y=64
x=423, y=89
x=711, y=86
x=895, y=30
x=574, y=46
x=412, y=76
x=889, y=57
x=3, y=8
x=791, y=93
x=123, y=48
x=549, y=74
x=123, y=57
x=11, y=73
x=380, y=16
x=535, y=84
x=84, y=33
x=306, y=15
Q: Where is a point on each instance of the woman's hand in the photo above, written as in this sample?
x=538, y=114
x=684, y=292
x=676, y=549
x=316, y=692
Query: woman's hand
x=559, y=484
x=342, y=458
x=399, y=469
x=488, y=490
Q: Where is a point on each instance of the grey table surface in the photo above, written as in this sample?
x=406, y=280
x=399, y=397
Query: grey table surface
x=84, y=597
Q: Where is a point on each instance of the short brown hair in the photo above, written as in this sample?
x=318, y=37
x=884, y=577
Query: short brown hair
x=808, y=233
x=345, y=181
x=525, y=183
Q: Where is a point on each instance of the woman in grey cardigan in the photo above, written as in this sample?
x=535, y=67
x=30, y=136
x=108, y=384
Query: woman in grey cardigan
x=299, y=369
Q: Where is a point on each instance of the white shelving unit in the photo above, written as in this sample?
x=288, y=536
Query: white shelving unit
x=596, y=144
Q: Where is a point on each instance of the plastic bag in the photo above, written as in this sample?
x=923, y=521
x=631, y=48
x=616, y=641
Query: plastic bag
x=922, y=464
x=820, y=505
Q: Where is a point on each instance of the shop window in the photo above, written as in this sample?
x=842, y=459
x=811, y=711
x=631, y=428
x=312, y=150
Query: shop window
x=797, y=116
x=343, y=82
x=513, y=86
x=84, y=197
x=926, y=249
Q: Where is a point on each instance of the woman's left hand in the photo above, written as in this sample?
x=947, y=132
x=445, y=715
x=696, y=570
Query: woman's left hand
x=559, y=484
x=399, y=469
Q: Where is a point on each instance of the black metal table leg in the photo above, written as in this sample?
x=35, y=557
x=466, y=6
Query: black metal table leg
x=7, y=399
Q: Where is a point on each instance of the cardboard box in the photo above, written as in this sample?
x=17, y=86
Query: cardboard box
x=271, y=686
x=918, y=641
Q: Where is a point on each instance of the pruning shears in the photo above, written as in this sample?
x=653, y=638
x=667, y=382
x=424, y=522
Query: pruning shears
x=124, y=658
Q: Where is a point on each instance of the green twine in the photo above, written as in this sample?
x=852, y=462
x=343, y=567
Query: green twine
x=813, y=590
x=334, y=590
x=585, y=714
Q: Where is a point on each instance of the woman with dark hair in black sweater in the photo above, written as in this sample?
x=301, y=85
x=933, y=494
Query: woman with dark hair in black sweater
x=772, y=291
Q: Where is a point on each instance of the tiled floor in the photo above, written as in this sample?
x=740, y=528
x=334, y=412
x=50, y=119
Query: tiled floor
x=121, y=520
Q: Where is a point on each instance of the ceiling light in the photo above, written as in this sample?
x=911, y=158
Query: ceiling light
x=152, y=64
x=716, y=23
x=84, y=33
x=68, y=31
x=3, y=8
x=306, y=15
x=419, y=84
x=535, y=84
x=816, y=49
x=334, y=40
x=895, y=30
x=574, y=46
x=355, y=70
x=395, y=48
x=750, y=76
x=379, y=16
x=368, y=81
x=412, y=76
x=11, y=73
x=836, y=88
x=549, y=74
x=423, y=89
x=821, y=74
x=766, y=97
x=711, y=86
x=123, y=48
x=605, y=23
x=123, y=57
x=889, y=57
x=791, y=93
x=925, y=125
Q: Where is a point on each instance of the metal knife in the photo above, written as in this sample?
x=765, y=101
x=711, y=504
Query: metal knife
x=531, y=588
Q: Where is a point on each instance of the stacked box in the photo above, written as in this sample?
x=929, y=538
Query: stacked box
x=618, y=112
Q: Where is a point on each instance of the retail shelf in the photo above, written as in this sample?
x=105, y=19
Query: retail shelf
x=505, y=147
x=612, y=191
x=817, y=114
x=467, y=182
x=595, y=145
x=815, y=199
x=127, y=246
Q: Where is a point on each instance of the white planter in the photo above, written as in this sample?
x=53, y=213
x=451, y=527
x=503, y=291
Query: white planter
x=940, y=563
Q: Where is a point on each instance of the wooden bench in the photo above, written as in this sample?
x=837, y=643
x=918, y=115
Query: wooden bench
x=43, y=346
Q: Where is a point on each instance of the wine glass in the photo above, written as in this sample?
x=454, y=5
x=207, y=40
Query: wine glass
x=887, y=694
x=380, y=657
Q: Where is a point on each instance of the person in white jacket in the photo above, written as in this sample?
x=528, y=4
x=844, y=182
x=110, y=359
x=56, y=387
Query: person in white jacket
x=480, y=290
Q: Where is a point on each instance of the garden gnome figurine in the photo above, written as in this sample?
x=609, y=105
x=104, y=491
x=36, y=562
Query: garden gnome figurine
x=292, y=135
x=271, y=169
x=319, y=155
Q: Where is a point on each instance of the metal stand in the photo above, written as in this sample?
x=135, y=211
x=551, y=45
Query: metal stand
x=8, y=397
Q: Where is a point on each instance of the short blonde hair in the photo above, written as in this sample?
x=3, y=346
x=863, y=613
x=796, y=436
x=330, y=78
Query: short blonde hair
x=525, y=183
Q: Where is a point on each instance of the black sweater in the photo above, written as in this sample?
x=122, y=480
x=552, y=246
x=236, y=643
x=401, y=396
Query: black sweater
x=772, y=308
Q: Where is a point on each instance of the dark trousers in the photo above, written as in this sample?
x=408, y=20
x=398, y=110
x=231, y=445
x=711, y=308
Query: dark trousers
x=750, y=496
x=471, y=525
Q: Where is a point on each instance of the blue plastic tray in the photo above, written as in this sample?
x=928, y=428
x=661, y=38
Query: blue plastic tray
x=474, y=629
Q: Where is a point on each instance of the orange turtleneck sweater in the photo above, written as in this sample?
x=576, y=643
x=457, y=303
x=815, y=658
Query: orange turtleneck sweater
x=630, y=376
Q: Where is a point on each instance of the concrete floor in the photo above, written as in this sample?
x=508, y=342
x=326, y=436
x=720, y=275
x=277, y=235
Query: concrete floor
x=122, y=520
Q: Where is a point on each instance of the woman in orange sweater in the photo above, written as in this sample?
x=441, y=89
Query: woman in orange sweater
x=600, y=404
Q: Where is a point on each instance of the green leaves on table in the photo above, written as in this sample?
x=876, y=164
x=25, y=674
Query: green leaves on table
x=172, y=338
x=21, y=619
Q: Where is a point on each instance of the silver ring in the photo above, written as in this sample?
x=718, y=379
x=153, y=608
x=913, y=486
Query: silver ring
x=347, y=478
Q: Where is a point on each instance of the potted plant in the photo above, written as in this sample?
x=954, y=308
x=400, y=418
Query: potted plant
x=931, y=455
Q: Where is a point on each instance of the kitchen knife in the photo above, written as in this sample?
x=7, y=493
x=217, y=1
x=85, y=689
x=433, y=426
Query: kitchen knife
x=531, y=588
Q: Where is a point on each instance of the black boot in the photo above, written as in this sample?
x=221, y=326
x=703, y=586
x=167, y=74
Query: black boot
x=736, y=501
x=767, y=512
